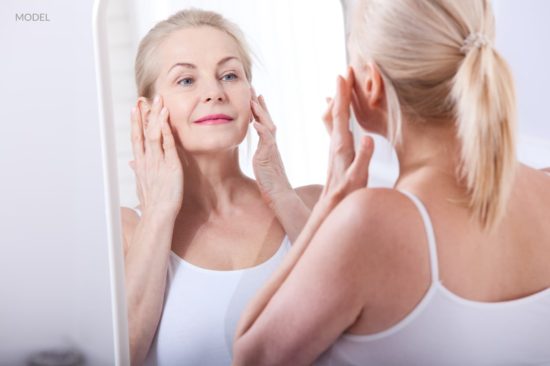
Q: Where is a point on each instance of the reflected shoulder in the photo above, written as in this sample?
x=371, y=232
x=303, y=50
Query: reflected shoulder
x=129, y=220
x=309, y=194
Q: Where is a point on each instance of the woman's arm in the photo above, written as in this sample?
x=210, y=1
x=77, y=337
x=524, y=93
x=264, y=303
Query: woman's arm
x=293, y=307
x=159, y=178
x=291, y=206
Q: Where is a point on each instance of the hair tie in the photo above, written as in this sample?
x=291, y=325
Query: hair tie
x=474, y=40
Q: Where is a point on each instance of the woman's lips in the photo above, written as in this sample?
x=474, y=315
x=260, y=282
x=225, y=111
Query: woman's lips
x=214, y=119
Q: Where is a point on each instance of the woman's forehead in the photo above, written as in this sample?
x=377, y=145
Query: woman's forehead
x=198, y=45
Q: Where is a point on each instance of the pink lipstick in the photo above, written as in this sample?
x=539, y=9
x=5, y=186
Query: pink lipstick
x=214, y=119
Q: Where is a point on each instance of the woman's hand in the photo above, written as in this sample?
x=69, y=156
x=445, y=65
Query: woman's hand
x=348, y=169
x=267, y=163
x=159, y=173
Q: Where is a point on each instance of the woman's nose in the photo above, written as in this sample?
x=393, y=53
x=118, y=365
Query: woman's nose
x=214, y=93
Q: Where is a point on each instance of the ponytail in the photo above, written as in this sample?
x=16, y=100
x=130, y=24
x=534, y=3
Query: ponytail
x=484, y=98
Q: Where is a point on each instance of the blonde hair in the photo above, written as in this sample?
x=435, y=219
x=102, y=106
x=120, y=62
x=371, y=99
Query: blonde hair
x=437, y=63
x=146, y=70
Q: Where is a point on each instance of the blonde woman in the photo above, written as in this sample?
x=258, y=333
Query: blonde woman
x=206, y=236
x=451, y=267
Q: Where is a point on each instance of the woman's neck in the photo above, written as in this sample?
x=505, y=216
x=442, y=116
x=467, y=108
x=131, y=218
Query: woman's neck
x=213, y=182
x=427, y=148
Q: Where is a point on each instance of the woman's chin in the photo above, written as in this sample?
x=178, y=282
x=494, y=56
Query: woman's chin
x=213, y=145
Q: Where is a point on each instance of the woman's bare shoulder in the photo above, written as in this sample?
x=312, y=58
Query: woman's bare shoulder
x=309, y=194
x=129, y=219
x=385, y=216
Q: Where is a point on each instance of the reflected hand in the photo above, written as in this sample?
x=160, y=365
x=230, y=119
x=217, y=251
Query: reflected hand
x=158, y=170
x=348, y=169
x=267, y=163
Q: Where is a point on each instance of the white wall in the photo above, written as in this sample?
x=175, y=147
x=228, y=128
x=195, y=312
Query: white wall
x=522, y=38
x=54, y=266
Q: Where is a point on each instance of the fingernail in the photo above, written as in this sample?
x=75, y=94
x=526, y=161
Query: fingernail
x=156, y=100
x=163, y=110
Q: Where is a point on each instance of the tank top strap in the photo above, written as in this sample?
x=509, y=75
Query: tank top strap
x=137, y=210
x=428, y=227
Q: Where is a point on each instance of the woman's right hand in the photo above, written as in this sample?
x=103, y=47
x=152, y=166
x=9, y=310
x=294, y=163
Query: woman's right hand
x=348, y=169
x=158, y=169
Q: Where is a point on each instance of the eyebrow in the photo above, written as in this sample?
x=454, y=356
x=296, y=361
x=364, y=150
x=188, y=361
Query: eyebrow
x=191, y=66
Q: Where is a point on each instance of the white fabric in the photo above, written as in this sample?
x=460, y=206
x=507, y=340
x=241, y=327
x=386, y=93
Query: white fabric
x=445, y=329
x=201, y=311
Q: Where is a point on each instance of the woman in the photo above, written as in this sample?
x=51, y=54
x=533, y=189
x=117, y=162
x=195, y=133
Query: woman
x=451, y=266
x=207, y=236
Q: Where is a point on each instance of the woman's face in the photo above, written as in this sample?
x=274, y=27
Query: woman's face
x=203, y=85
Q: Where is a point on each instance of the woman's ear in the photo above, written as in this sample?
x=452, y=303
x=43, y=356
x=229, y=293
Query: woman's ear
x=373, y=86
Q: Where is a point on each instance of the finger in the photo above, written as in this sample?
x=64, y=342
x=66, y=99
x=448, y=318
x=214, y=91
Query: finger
x=153, y=127
x=351, y=77
x=168, y=142
x=153, y=133
x=263, y=132
x=327, y=116
x=261, y=116
x=359, y=168
x=340, y=110
x=137, y=134
x=261, y=99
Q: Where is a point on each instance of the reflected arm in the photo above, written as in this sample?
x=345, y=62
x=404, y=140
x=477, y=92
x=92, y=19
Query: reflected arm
x=147, y=247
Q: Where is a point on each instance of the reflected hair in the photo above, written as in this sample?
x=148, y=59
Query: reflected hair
x=146, y=68
x=438, y=64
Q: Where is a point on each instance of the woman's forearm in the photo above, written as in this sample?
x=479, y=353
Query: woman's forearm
x=291, y=211
x=242, y=350
x=146, y=265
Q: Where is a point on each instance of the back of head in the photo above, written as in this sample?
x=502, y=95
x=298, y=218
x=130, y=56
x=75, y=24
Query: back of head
x=438, y=63
x=146, y=70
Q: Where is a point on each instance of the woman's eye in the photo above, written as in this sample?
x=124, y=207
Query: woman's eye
x=185, y=81
x=229, y=77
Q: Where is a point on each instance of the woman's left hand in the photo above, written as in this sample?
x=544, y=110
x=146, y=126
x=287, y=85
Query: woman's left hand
x=267, y=163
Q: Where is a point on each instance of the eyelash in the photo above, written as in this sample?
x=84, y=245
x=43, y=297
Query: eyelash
x=235, y=77
x=232, y=74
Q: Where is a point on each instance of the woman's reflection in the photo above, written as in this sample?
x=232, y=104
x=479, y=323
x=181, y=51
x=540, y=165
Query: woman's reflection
x=205, y=236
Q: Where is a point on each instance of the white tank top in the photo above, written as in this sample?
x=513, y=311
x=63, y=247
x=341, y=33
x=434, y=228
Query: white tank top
x=446, y=329
x=202, y=308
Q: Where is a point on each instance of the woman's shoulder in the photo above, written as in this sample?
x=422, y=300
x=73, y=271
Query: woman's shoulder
x=387, y=216
x=129, y=218
x=378, y=204
x=382, y=230
x=309, y=194
x=534, y=186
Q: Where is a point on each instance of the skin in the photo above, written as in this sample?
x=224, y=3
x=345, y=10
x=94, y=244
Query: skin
x=194, y=198
x=371, y=266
